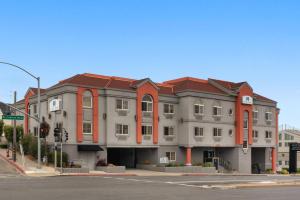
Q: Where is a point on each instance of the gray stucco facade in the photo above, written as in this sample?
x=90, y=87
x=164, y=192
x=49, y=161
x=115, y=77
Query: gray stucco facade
x=124, y=148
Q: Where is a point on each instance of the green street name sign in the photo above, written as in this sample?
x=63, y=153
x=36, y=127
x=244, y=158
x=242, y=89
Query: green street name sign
x=13, y=117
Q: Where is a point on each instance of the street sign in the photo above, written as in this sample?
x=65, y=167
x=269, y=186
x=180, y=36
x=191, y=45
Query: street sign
x=13, y=117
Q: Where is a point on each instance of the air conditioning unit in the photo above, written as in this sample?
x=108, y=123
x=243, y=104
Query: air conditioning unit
x=55, y=105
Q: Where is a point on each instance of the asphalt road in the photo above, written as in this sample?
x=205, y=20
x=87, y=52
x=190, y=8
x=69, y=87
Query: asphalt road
x=137, y=188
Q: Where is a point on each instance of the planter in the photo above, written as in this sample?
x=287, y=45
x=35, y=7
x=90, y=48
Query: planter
x=180, y=169
x=112, y=169
x=74, y=170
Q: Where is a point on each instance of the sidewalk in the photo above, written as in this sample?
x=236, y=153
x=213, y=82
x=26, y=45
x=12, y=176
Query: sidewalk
x=30, y=167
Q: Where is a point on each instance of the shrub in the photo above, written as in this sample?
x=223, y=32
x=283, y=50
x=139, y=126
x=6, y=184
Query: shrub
x=26, y=141
x=208, y=164
x=3, y=146
x=269, y=171
x=8, y=131
x=101, y=163
x=65, y=158
x=1, y=127
x=33, y=148
x=298, y=171
x=284, y=171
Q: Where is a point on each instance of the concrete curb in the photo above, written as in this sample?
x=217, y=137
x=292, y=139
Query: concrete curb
x=18, y=168
x=90, y=174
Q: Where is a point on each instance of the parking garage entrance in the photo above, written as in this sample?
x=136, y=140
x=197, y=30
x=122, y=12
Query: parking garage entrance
x=131, y=157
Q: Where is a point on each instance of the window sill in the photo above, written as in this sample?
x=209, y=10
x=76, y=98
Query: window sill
x=87, y=133
x=217, y=138
x=147, y=137
x=268, y=140
x=169, y=115
x=122, y=135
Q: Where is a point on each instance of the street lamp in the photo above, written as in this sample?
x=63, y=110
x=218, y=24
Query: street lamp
x=39, y=106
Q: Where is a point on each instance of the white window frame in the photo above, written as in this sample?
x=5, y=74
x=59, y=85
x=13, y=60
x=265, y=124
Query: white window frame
x=268, y=134
x=198, y=130
x=219, y=132
x=255, y=111
x=171, y=154
x=147, y=130
x=148, y=105
x=170, y=130
x=169, y=108
x=91, y=101
x=268, y=116
x=122, y=128
x=247, y=123
x=87, y=122
x=255, y=134
x=123, y=104
x=219, y=108
x=200, y=107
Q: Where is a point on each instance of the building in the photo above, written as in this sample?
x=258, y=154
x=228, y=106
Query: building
x=130, y=122
x=287, y=135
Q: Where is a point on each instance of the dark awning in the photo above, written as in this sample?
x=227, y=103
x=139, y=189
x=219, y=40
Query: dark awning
x=89, y=147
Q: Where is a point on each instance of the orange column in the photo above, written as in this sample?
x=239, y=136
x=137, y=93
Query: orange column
x=188, y=161
x=274, y=159
x=95, y=116
x=79, y=117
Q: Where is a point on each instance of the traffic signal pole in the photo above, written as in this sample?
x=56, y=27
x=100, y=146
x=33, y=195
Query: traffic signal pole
x=14, y=154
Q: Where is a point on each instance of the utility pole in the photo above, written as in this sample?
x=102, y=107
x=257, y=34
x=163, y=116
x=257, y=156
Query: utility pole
x=15, y=131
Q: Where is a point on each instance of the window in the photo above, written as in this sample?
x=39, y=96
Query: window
x=230, y=112
x=230, y=132
x=146, y=130
x=171, y=156
x=268, y=116
x=147, y=103
x=280, y=136
x=288, y=137
x=168, y=131
x=87, y=100
x=198, y=131
x=121, y=129
x=268, y=134
x=286, y=144
x=87, y=128
x=255, y=134
x=35, y=131
x=198, y=109
x=168, y=108
x=286, y=162
x=245, y=125
x=121, y=104
x=217, y=111
x=255, y=115
x=35, y=109
x=280, y=144
x=280, y=162
x=217, y=132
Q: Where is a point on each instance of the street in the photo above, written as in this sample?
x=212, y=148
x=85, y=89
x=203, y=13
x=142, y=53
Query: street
x=135, y=188
x=6, y=170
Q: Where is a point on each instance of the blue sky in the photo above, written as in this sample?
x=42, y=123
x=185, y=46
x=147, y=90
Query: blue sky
x=253, y=41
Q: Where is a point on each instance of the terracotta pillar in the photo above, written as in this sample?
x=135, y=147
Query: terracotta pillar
x=188, y=161
x=274, y=159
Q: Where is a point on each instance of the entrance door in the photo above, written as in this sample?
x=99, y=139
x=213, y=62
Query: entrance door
x=208, y=156
x=121, y=157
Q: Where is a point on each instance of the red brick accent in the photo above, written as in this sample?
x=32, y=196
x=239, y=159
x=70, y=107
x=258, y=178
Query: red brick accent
x=245, y=90
x=26, y=125
x=188, y=161
x=95, y=116
x=79, y=117
x=146, y=88
x=274, y=157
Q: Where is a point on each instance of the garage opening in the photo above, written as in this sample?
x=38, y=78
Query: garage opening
x=122, y=157
x=258, y=159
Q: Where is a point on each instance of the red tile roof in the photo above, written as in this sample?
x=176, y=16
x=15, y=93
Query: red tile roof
x=170, y=87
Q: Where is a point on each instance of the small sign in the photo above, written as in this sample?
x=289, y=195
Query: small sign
x=247, y=100
x=54, y=105
x=12, y=117
x=164, y=160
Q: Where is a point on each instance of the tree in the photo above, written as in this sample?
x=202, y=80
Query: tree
x=1, y=127
x=9, y=130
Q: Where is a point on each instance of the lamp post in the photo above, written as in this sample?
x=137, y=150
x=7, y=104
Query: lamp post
x=39, y=106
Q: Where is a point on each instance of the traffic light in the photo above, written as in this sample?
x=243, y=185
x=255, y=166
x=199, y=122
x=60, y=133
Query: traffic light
x=66, y=136
x=57, y=134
